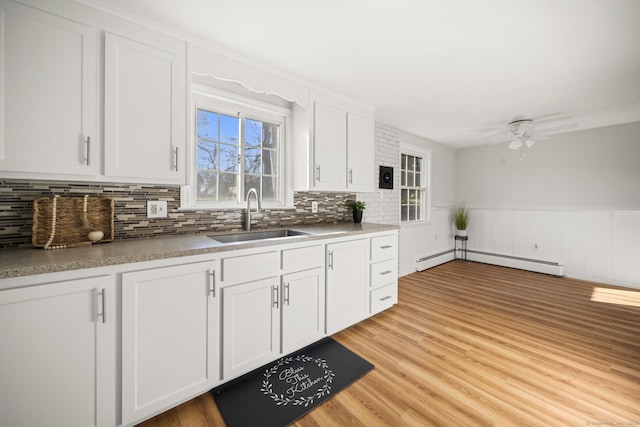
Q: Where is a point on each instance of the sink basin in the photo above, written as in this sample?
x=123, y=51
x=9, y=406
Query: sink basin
x=256, y=235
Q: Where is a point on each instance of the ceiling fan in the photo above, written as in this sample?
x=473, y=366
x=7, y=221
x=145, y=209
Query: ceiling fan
x=522, y=133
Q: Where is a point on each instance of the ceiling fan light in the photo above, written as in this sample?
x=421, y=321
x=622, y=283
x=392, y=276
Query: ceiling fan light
x=516, y=143
x=529, y=142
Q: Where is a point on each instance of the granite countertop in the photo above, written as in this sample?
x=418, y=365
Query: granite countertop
x=31, y=261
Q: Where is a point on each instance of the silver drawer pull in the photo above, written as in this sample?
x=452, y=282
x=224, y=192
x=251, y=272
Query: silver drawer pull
x=386, y=272
x=386, y=247
x=385, y=298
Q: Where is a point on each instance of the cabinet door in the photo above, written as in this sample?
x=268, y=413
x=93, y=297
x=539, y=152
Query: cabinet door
x=360, y=147
x=145, y=111
x=302, y=309
x=58, y=343
x=251, y=326
x=168, y=337
x=47, y=93
x=329, y=139
x=347, y=284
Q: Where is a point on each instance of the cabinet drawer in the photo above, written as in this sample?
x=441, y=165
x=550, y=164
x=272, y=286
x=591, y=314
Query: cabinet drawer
x=303, y=258
x=384, y=272
x=384, y=247
x=250, y=267
x=383, y=298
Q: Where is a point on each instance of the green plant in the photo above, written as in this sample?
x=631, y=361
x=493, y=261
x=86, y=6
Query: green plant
x=357, y=205
x=461, y=217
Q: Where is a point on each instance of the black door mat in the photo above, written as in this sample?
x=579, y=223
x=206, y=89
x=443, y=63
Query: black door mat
x=282, y=391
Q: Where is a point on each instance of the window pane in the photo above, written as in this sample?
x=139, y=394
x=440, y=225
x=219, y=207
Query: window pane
x=403, y=213
x=410, y=182
x=208, y=124
x=228, y=186
x=269, y=189
x=270, y=135
x=404, y=196
x=207, y=185
x=252, y=161
x=412, y=197
x=207, y=154
x=251, y=181
x=418, y=164
x=269, y=162
x=412, y=213
x=228, y=158
x=252, y=133
x=418, y=180
x=229, y=129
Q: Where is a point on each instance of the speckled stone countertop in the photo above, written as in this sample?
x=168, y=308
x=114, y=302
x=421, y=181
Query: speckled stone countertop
x=28, y=261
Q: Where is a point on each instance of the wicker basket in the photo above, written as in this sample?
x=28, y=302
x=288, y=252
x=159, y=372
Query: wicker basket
x=72, y=226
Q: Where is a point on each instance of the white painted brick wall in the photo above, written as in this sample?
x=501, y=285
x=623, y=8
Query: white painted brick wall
x=385, y=209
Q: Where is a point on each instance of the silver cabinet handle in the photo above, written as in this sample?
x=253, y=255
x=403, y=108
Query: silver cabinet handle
x=103, y=294
x=88, y=150
x=317, y=172
x=286, y=293
x=212, y=291
x=275, y=296
x=386, y=247
x=175, y=151
x=331, y=260
x=385, y=298
x=385, y=272
x=350, y=176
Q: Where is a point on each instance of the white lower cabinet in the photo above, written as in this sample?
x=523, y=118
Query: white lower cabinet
x=58, y=354
x=170, y=338
x=251, y=326
x=302, y=309
x=384, y=272
x=347, y=284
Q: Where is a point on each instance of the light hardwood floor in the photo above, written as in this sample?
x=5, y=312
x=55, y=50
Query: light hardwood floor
x=474, y=344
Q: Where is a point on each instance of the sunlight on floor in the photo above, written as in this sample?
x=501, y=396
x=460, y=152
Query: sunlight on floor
x=616, y=296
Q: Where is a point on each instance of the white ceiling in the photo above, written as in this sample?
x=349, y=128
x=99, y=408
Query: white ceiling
x=451, y=71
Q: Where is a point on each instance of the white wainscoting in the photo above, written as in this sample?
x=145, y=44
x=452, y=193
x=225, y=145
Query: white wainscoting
x=602, y=246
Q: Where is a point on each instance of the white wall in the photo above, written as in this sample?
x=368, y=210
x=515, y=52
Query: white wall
x=576, y=196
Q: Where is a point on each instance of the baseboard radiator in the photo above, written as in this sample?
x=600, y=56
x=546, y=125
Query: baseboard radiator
x=538, y=266
x=429, y=261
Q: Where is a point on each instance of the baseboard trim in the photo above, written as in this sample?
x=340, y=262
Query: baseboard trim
x=536, y=265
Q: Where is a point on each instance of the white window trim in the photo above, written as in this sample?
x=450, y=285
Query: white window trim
x=226, y=103
x=425, y=154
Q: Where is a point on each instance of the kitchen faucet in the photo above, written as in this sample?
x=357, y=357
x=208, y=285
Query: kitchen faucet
x=255, y=193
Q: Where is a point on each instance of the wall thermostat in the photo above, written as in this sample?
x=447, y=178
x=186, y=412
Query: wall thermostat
x=386, y=177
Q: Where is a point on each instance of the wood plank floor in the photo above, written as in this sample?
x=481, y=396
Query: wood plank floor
x=474, y=344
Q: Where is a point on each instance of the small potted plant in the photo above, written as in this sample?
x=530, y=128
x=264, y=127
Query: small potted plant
x=357, y=207
x=461, y=219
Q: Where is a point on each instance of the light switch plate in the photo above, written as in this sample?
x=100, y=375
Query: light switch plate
x=314, y=207
x=157, y=209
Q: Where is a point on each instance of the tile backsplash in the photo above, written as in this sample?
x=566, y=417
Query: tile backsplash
x=130, y=212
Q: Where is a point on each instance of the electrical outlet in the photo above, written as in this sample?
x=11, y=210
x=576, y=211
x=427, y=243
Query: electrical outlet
x=314, y=207
x=157, y=209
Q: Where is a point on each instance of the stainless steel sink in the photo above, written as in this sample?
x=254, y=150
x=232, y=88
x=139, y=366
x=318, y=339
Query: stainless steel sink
x=256, y=235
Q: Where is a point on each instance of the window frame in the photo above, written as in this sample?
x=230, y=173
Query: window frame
x=425, y=184
x=206, y=98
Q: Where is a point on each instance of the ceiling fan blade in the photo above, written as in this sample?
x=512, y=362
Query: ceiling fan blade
x=556, y=129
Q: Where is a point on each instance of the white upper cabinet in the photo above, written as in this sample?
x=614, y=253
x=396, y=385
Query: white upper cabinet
x=333, y=146
x=51, y=102
x=47, y=93
x=329, y=136
x=360, y=147
x=145, y=109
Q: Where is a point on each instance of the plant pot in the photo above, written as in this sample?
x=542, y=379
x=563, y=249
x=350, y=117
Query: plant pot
x=461, y=233
x=357, y=216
